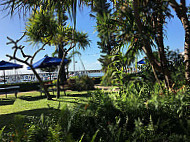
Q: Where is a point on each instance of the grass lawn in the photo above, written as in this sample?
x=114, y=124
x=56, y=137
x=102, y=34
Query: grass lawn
x=32, y=104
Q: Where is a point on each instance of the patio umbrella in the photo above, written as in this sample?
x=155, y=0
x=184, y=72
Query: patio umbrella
x=4, y=65
x=142, y=62
x=47, y=62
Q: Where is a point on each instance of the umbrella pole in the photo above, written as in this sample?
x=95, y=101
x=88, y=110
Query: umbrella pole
x=49, y=76
x=4, y=75
x=15, y=74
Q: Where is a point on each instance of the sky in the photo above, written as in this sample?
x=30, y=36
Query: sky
x=13, y=27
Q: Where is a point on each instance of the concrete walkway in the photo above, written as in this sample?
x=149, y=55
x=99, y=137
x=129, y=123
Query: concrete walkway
x=109, y=88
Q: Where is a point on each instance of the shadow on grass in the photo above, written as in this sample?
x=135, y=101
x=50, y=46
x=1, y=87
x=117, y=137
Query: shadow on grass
x=6, y=102
x=8, y=119
x=32, y=98
x=72, y=101
x=78, y=95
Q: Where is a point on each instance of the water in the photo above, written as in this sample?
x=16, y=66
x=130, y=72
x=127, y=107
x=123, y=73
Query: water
x=96, y=74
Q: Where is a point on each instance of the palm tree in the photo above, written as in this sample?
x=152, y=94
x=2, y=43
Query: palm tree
x=81, y=40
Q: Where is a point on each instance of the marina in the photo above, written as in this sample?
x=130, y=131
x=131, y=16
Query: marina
x=16, y=78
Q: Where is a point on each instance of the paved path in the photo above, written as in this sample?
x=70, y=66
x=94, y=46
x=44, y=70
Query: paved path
x=110, y=88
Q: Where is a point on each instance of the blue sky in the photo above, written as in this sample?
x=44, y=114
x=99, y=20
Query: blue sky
x=13, y=27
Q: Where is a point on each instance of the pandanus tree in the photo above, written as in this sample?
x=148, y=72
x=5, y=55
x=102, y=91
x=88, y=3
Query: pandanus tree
x=149, y=24
x=137, y=29
x=118, y=28
x=141, y=23
x=58, y=7
x=43, y=27
x=60, y=11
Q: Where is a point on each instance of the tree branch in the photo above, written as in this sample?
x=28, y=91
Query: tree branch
x=182, y=3
x=137, y=17
x=42, y=48
x=20, y=60
x=146, y=48
x=181, y=10
x=21, y=37
x=16, y=48
x=174, y=5
x=70, y=48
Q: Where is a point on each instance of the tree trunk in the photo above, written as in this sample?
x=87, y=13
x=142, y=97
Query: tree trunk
x=181, y=12
x=62, y=70
x=67, y=71
x=155, y=75
x=147, y=47
x=161, y=51
x=42, y=84
x=59, y=75
x=61, y=51
x=187, y=51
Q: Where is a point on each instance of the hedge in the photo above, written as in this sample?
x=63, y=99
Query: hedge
x=24, y=86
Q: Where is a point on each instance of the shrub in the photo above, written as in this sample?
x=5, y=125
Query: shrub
x=138, y=113
x=25, y=86
x=82, y=83
x=97, y=80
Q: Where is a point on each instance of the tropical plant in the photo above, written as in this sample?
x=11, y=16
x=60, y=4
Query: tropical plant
x=82, y=83
x=61, y=35
x=106, y=32
x=116, y=70
x=41, y=26
x=140, y=31
x=139, y=113
x=175, y=64
x=177, y=67
x=1, y=132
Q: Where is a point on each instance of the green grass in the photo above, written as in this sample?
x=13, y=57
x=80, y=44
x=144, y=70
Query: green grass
x=32, y=104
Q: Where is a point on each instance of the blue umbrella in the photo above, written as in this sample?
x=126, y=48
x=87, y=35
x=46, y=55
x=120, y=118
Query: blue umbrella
x=142, y=62
x=47, y=62
x=4, y=65
x=8, y=65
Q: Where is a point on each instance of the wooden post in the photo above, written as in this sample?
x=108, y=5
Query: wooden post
x=16, y=94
